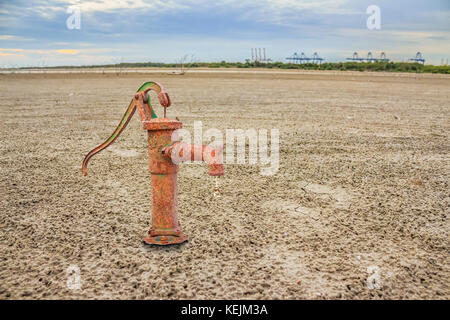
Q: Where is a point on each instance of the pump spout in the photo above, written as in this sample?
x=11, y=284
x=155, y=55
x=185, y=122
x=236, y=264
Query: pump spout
x=181, y=152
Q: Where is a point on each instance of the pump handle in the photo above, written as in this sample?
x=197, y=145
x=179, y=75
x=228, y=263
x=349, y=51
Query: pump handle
x=164, y=100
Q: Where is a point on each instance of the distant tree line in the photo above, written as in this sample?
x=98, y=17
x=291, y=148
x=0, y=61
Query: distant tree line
x=345, y=66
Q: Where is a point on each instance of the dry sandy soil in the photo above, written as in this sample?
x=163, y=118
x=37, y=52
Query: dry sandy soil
x=362, y=194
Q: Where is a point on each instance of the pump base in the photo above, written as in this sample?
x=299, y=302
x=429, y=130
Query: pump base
x=165, y=240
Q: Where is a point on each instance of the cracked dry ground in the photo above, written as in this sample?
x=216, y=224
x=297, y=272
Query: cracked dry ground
x=362, y=191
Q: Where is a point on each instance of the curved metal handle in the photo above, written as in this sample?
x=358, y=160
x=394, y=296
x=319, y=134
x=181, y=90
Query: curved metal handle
x=122, y=125
x=163, y=98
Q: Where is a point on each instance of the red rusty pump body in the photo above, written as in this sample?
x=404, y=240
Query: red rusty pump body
x=165, y=227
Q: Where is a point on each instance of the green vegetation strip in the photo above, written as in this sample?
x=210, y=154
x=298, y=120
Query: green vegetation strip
x=344, y=66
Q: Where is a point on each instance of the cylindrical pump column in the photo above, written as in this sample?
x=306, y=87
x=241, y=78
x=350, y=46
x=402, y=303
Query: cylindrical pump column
x=165, y=227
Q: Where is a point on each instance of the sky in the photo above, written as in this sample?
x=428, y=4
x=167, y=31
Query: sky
x=38, y=33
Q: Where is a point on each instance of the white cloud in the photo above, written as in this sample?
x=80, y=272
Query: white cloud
x=398, y=37
x=276, y=6
x=323, y=6
x=260, y=10
x=115, y=5
x=7, y=37
x=315, y=25
x=11, y=37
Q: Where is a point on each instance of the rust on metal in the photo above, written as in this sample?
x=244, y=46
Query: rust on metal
x=165, y=228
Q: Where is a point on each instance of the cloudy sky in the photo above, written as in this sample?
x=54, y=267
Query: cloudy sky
x=35, y=32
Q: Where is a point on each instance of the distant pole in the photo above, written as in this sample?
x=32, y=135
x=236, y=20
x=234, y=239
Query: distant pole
x=260, y=54
x=264, y=54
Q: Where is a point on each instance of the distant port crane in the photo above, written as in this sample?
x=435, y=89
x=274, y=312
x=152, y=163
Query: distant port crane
x=258, y=57
x=383, y=57
x=418, y=58
x=316, y=59
x=302, y=58
x=355, y=57
x=368, y=58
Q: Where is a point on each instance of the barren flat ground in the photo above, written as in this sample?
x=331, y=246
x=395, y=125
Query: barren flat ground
x=359, y=208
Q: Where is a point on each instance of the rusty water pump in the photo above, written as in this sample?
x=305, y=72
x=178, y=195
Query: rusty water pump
x=165, y=227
